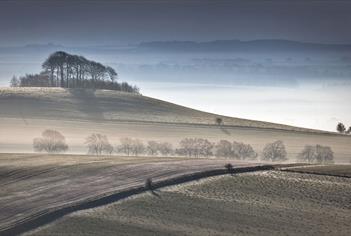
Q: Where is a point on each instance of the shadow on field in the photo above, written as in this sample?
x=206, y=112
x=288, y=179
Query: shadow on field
x=87, y=103
x=225, y=131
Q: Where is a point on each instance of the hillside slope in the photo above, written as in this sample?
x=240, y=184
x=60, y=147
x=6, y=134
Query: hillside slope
x=106, y=105
x=26, y=112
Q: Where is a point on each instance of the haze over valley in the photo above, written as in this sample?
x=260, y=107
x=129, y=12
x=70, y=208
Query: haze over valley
x=294, y=83
x=175, y=117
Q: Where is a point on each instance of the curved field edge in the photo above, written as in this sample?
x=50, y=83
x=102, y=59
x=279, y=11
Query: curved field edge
x=48, y=216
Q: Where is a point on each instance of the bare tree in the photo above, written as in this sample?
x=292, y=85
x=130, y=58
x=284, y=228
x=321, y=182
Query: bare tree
x=236, y=150
x=223, y=148
x=131, y=146
x=15, y=82
x=125, y=146
x=340, y=128
x=317, y=154
x=308, y=154
x=324, y=154
x=274, y=151
x=219, y=121
x=349, y=130
x=137, y=147
x=195, y=147
x=51, y=141
x=98, y=144
x=204, y=147
x=243, y=151
x=152, y=148
x=186, y=147
x=165, y=148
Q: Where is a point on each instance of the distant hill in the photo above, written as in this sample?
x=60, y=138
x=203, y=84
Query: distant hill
x=243, y=46
x=256, y=46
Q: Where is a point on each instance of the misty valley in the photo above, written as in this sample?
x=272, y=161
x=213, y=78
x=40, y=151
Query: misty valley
x=175, y=117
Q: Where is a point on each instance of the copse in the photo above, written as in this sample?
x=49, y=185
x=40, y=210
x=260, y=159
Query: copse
x=64, y=70
x=51, y=141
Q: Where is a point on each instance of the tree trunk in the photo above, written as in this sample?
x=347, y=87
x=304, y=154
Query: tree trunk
x=62, y=78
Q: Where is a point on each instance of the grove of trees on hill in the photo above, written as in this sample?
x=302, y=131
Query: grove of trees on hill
x=64, y=70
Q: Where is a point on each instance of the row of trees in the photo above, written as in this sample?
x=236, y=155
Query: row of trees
x=97, y=144
x=342, y=129
x=64, y=70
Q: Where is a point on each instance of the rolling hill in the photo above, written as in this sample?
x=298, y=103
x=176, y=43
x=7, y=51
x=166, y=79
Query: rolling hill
x=26, y=112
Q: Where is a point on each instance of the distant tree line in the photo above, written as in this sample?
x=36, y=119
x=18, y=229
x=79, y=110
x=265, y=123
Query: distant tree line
x=64, y=70
x=53, y=141
x=342, y=129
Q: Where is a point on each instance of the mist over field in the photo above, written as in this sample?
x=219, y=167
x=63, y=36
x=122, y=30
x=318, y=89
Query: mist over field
x=175, y=117
x=299, y=84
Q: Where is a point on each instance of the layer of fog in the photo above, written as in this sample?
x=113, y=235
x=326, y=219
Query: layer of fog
x=302, y=90
x=310, y=105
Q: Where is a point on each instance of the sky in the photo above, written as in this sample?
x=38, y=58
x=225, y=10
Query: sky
x=97, y=22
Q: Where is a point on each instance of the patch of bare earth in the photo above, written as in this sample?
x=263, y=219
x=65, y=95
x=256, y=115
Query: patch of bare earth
x=260, y=203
